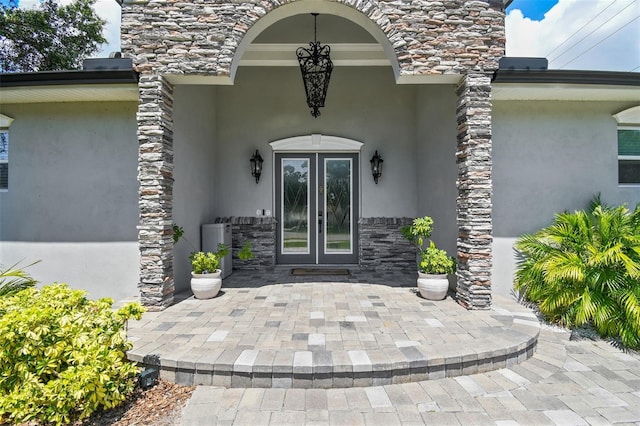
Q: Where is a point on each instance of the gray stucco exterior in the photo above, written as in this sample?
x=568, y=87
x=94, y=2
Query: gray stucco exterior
x=550, y=157
x=486, y=165
x=72, y=198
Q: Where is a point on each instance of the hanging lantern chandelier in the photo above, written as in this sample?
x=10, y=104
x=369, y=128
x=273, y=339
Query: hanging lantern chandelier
x=316, y=67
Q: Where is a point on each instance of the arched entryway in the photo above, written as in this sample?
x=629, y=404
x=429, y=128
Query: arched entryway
x=433, y=128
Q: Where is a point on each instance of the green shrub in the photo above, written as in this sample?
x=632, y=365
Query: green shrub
x=62, y=356
x=419, y=231
x=13, y=279
x=204, y=263
x=246, y=253
x=436, y=261
x=585, y=268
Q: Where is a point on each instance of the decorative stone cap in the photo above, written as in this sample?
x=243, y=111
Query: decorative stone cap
x=385, y=221
x=246, y=220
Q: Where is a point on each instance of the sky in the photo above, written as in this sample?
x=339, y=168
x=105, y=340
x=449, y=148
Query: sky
x=576, y=34
x=571, y=34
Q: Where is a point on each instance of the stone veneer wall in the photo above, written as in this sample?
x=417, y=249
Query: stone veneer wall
x=382, y=246
x=474, y=191
x=261, y=232
x=428, y=36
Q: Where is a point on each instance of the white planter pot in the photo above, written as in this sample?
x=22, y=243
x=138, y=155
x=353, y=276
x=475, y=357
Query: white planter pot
x=206, y=286
x=433, y=287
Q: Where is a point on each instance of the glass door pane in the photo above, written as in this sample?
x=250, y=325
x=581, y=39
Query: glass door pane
x=338, y=208
x=338, y=200
x=295, y=206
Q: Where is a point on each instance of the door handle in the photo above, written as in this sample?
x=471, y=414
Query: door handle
x=320, y=222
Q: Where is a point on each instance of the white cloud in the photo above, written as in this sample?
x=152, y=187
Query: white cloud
x=616, y=51
x=28, y=4
x=109, y=10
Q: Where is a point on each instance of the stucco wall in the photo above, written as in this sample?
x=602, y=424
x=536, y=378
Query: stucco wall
x=73, y=195
x=364, y=104
x=196, y=163
x=549, y=156
x=436, y=162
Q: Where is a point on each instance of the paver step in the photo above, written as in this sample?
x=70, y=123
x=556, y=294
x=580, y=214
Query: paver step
x=328, y=370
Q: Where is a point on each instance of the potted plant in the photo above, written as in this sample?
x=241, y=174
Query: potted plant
x=206, y=277
x=435, y=265
x=205, y=272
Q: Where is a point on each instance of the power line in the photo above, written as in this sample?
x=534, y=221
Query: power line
x=610, y=35
x=638, y=67
x=593, y=31
x=590, y=21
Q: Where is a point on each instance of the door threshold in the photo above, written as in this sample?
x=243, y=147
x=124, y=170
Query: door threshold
x=306, y=271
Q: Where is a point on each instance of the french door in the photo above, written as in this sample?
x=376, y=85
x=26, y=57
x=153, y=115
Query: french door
x=317, y=208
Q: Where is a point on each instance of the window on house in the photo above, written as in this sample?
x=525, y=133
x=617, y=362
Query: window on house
x=5, y=122
x=4, y=159
x=628, y=145
x=628, y=155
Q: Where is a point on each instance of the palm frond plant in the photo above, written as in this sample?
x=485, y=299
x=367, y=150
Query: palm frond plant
x=14, y=278
x=585, y=268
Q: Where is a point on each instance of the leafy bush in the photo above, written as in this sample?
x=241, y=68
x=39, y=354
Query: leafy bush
x=431, y=260
x=585, y=268
x=419, y=231
x=246, y=253
x=204, y=263
x=14, y=279
x=62, y=356
x=435, y=261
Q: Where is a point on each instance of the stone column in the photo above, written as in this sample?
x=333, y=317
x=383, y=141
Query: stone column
x=474, y=191
x=155, y=175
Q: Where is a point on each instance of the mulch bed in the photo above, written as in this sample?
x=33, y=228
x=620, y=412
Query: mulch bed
x=160, y=405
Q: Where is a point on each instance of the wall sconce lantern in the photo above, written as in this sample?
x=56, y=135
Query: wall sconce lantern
x=256, y=165
x=376, y=166
x=316, y=67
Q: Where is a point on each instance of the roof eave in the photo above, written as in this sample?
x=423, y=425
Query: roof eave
x=55, y=78
x=614, y=78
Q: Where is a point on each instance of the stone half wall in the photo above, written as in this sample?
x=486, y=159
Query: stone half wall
x=382, y=246
x=428, y=37
x=261, y=232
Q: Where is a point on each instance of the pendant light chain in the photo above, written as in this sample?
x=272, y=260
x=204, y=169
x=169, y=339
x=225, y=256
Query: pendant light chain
x=315, y=27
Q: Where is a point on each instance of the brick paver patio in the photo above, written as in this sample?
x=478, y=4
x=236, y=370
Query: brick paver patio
x=565, y=383
x=303, y=327
x=327, y=334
